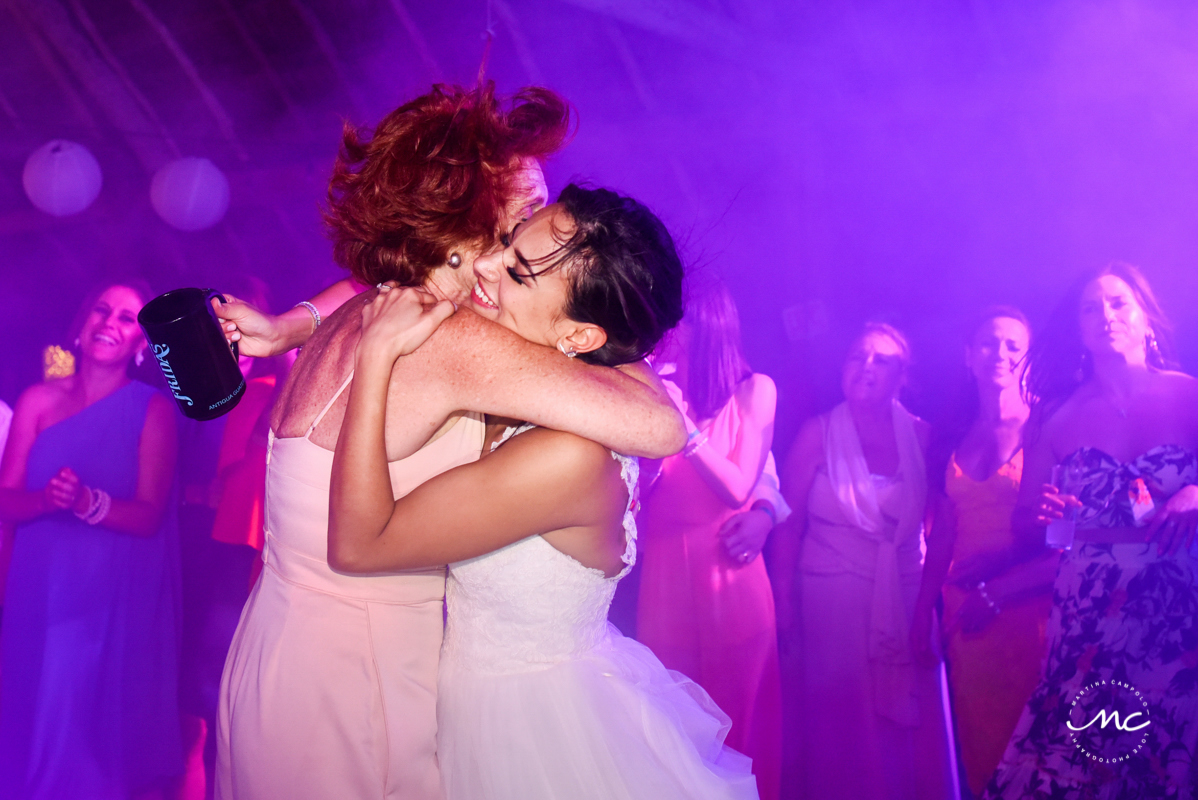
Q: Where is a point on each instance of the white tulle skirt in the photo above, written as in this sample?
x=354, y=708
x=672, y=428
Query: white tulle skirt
x=612, y=725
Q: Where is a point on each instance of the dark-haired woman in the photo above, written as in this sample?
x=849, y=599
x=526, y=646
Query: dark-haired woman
x=539, y=698
x=872, y=719
x=340, y=670
x=997, y=595
x=1122, y=634
x=705, y=610
x=88, y=699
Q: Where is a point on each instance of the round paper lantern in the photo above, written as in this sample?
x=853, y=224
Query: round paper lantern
x=190, y=194
x=62, y=178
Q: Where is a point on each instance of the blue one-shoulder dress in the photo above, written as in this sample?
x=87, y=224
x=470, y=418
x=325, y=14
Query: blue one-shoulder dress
x=89, y=641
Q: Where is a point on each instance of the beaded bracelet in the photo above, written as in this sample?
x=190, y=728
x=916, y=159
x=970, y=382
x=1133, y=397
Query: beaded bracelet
x=982, y=591
x=99, y=503
x=694, y=441
x=313, y=310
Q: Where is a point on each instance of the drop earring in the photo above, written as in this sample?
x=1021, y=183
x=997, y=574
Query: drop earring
x=1153, y=348
x=140, y=357
x=567, y=353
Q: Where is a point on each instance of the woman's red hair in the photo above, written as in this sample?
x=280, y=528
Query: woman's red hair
x=435, y=175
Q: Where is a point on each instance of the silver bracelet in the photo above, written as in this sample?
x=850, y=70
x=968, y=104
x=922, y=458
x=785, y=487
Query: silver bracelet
x=313, y=310
x=982, y=591
x=98, y=506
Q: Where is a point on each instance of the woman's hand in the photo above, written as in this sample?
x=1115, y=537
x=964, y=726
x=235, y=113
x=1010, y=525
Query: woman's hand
x=256, y=333
x=967, y=573
x=974, y=614
x=65, y=492
x=744, y=534
x=397, y=321
x=1051, y=505
x=1173, y=527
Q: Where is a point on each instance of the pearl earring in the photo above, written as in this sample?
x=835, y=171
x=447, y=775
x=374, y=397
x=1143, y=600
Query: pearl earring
x=455, y=260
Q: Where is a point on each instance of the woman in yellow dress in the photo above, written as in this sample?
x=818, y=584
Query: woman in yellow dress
x=996, y=588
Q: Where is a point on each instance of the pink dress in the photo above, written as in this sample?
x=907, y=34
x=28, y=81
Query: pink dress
x=330, y=686
x=707, y=616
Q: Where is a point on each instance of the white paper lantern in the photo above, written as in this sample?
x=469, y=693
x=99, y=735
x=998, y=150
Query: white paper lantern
x=190, y=194
x=62, y=178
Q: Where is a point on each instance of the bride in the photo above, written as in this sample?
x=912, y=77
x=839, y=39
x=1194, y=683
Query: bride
x=538, y=697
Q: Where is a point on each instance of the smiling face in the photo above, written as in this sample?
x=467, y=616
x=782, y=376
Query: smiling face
x=1111, y=319
x=995, y=355
x=110, y=334
x=518, y=286
x=874, y=370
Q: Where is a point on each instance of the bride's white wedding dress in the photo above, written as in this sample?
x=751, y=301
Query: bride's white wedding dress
x=539, y=697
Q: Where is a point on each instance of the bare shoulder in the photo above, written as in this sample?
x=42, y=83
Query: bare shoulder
x=39, y=400
x=564, y=454
x=322, y=365
x=759, y=390
x=1182, y=385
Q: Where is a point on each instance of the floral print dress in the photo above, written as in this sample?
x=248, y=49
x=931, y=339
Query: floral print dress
x=1122, y=641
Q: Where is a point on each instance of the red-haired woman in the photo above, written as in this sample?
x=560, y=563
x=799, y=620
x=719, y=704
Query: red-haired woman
x=330, y=688
x=705, y=605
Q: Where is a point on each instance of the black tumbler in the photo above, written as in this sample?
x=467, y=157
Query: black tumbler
x=200, y=367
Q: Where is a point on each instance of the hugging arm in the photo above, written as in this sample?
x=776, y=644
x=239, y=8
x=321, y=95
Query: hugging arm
x=481, y=366
x=260, y=334
x=540, y=481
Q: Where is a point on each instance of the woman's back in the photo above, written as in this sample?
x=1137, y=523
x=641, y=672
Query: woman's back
x=539, y=697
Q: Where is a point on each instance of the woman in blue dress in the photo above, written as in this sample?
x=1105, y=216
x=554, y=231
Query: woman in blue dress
x=88, y=648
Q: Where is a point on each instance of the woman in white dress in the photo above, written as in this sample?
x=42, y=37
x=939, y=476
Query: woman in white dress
x=538, y=697
x=873, y=718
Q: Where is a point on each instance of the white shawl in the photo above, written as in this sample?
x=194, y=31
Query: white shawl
x=889, y=650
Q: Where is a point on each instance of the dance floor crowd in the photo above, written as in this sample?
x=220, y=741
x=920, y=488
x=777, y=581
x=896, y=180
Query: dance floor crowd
x=258, y=606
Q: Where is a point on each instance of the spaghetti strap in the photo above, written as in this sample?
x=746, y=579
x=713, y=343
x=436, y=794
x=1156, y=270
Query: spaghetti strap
x=329, y=405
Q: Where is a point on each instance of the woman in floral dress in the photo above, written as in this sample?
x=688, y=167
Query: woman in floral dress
x=1122, y=634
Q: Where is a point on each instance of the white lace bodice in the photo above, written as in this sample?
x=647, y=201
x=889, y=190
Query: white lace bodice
x=528, y=605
